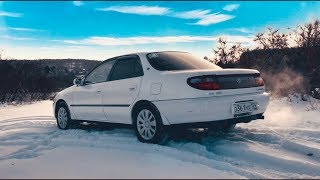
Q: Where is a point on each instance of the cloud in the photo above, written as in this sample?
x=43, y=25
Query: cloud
x=20, y=29
x=213, y=19
x=63, y=52
x=231, y=7
x=15, y=38
x=112, y=41
x=243, y=30
x=139, y=40
x=78, y=3
x=246, y=40
x=10, y=14
x=141, y=10
x=194, y=14
x=204, y=17
x=82, y=49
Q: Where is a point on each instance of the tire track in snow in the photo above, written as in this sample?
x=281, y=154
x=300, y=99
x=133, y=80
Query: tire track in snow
x=123, y=139
x=256, y=150
x=39, y=118
x=280, y=140
x=115, y=139
x=220, y=146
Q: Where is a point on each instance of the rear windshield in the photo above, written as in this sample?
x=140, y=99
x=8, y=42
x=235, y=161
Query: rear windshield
x=174, y=61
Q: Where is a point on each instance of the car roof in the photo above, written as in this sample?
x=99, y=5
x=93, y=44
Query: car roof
x=139, y=54
x=146, y=52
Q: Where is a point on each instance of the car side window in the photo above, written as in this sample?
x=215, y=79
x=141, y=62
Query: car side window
x=128, y=67
x=100, y=74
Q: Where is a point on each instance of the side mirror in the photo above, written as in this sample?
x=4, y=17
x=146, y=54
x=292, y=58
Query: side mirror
x=77, y=81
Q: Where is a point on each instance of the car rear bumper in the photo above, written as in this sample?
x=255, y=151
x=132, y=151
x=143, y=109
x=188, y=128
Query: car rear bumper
x=244, y=119
x=209, y=109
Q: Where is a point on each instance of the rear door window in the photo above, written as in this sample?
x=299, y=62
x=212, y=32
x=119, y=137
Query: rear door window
x=127, y=67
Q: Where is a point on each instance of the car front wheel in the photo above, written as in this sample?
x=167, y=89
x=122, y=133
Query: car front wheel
x=63, y=116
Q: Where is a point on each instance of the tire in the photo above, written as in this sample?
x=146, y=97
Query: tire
x=63, y=116
x=147, y=124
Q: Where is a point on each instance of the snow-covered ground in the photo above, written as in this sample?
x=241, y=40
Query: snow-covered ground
x=284, y=145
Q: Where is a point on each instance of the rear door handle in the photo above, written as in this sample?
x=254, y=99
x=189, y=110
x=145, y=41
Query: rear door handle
x=133, y=88
x=99, y=91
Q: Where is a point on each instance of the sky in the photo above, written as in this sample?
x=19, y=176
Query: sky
x=103, y=29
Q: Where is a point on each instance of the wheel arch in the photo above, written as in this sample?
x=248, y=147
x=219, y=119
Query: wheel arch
x=146, y=102
x=57, y=105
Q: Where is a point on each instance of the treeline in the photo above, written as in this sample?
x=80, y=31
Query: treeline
x=288, y=61
x=29, y=80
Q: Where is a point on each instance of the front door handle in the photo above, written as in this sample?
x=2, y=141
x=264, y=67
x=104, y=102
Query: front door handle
x=99, y=91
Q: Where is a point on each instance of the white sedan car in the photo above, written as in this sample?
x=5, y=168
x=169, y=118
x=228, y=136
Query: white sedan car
x=151, y=91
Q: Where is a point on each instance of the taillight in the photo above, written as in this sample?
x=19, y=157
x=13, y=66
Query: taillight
x=204, y=82
x=259, y=80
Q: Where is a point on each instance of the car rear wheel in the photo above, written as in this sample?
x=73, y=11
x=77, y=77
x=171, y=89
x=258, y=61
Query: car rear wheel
x=63, y=117
x=148, y=125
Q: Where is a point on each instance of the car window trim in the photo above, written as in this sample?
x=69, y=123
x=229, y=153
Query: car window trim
x=112, y=69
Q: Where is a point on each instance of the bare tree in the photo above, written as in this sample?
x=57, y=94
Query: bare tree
x=225, y=54
x=308, y=35
x=271, y=40
x=235, y=52
x=221, y=53
x=261, y=40
x=277, y=40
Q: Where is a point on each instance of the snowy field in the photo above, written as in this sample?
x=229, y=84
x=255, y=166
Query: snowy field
x=284, y=145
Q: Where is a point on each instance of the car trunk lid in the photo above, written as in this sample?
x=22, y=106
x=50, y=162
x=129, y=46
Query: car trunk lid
x=231, y=82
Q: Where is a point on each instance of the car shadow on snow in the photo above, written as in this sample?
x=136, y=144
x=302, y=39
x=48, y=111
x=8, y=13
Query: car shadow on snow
x=196, y=135
x=99, y=126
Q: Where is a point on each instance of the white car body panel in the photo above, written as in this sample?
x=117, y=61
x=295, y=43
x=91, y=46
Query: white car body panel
x=88, y=94
x=118, y=96
x=176, y=101
x=67, y=96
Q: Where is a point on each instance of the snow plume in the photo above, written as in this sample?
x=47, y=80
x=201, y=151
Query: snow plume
x=284, y=83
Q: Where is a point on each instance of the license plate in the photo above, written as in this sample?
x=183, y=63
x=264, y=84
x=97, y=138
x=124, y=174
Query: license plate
x=244, y=107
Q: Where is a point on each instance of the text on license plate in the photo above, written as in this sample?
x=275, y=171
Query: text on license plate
x=243, y=107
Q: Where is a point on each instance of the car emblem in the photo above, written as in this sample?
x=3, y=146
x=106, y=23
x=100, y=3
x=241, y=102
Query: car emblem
x=238, y=80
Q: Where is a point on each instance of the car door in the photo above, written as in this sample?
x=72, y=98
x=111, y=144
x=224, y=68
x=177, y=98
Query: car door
x=87, y=98
x=122, y=89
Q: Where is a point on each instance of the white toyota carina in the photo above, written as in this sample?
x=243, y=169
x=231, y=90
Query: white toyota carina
x=151, y=91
